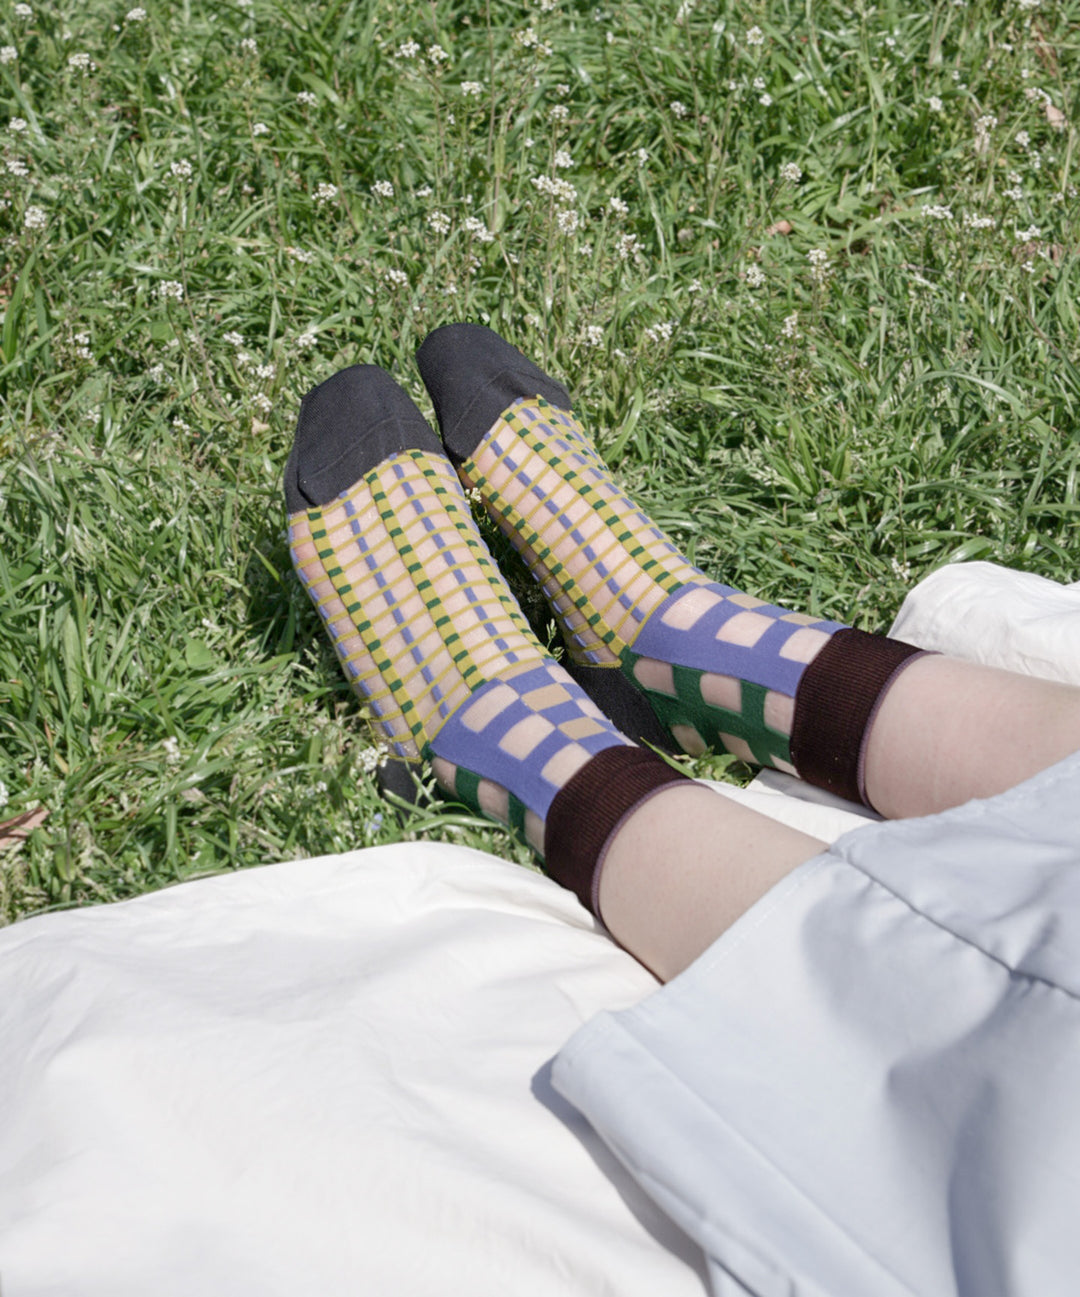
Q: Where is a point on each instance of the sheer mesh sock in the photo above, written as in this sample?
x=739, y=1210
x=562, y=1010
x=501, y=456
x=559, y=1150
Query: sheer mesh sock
x=429, y=634
x=718, y=667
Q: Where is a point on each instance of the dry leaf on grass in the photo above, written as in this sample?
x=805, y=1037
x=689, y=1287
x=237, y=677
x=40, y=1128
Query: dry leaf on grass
x=1055, y=116
x=13, y=833
x=780, y=227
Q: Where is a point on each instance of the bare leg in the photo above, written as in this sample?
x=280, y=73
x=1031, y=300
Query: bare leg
x=687, y=863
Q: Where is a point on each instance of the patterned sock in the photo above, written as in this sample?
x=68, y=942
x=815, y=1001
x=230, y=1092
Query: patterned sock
x=718, y=667
x=430, y=636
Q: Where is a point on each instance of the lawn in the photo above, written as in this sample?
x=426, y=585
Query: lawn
x=810, y=272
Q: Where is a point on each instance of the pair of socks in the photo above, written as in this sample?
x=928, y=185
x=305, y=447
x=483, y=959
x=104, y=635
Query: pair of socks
x=429, y=635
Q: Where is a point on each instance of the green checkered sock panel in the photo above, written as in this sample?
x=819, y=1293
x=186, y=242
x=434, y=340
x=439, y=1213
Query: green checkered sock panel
x=720, y=668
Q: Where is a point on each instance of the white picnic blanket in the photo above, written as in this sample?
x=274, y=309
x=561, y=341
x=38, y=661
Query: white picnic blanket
x=331, y=1076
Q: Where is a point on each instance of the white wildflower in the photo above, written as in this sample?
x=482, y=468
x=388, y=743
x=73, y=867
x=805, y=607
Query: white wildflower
x=642, y=157
x=568, y=221
x=369, y=759
x=17, y=125
x=304, y=255
x=935, y=104
x=791, y=172
x=592, y=335
x=181, y=170
x=382, y=189
x=171, y=748
x=306, y=99
x=34, y=218
x=233, y=338
x=249, y=45
x=618, y=208
x=8, y=53
x=478, y=229
x=791, y=325
x=136, y=15
x=678, y=109
x=629, y=247
x=264, y=372
x=397, y=277
x=472, y=88
x=759, y=83
x=755, y=36
x=1025, y=236
x=306, y=340
x=170, y=289
x=556, y=113
x=23, y=11
x=260, y=128
x=262, y=403
x=156, y=373
x=17, y=167
x=325, y=193
x=425, y=191
x=563, y=159
x=661, y=332
x=973, y=222
x=694, y=286
x=765, y=101
x=407, y=50
x=937, y=212
x=437, y=55
x=755, y=276
x=439, y=222
x=558, y=188
x=1023, y=139
x=819, y=265
x=80, y=62
x=1028, y=4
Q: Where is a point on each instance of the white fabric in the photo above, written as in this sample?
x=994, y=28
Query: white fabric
x=327, y=1076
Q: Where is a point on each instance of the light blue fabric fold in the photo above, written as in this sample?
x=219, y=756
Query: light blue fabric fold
x=870, y=1085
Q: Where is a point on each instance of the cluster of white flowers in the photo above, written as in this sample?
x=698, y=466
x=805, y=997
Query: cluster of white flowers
x=973, y=222
x=618, y=208
x=171, y=745
x=249, y=45
x=260, y=128
x=685, y=10
x=660, y=332
x=528, y=40
x=325, y=193
x=171, y=289
x=755, y=36
x=437, y=56
x=425, y=191
x=17, y=167
x=1027, y=4
x=935, y=104
x=755, y=276
x=8, y=53
x=303, y=255
x=791, y=172
x=1022, y=139
x=156, y=373
x=439, y=222
x=563, y=159
x=678, y=109
x=80, y=344
x=181, y=170
x=592, y=335
x=561, y=190
x=17, y=125
x=397, y=277
x=819, y=265
x=765, y=100
x=568, y=221
x=476, y=227
x=136, y=15
x=369, y=760
x=629, y=247
x=34, y=218
x=306, y=98
x=983, y=127
x=938, y=212
x=1016, y=187
x=3, y=795
x=1025, y=236
x=558, y=113
x=306, y=340
x=407, y=50
x=23, y=11
x=81, y=62
x=382, y=189
x=642, y=157
x=262, y=403
x=472, y=88
x=233, y=338
x=790, y=327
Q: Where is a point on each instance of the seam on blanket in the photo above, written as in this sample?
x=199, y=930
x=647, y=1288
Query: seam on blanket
x=612, y=1026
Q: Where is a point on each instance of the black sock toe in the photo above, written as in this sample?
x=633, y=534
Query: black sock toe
x=347, y=426
x=473, y=375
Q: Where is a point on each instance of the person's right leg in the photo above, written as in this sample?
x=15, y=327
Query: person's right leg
x=861, y=715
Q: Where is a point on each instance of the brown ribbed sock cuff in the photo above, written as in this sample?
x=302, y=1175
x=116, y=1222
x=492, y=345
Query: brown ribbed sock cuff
x=835, y=704
x=587, y=811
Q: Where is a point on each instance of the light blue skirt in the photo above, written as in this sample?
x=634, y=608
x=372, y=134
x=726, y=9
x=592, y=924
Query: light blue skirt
x=870, y=1084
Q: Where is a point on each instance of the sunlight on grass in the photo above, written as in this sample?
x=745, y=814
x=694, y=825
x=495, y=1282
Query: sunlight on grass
x=810, y=271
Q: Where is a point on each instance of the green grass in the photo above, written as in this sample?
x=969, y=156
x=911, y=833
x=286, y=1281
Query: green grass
x=822, y=435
